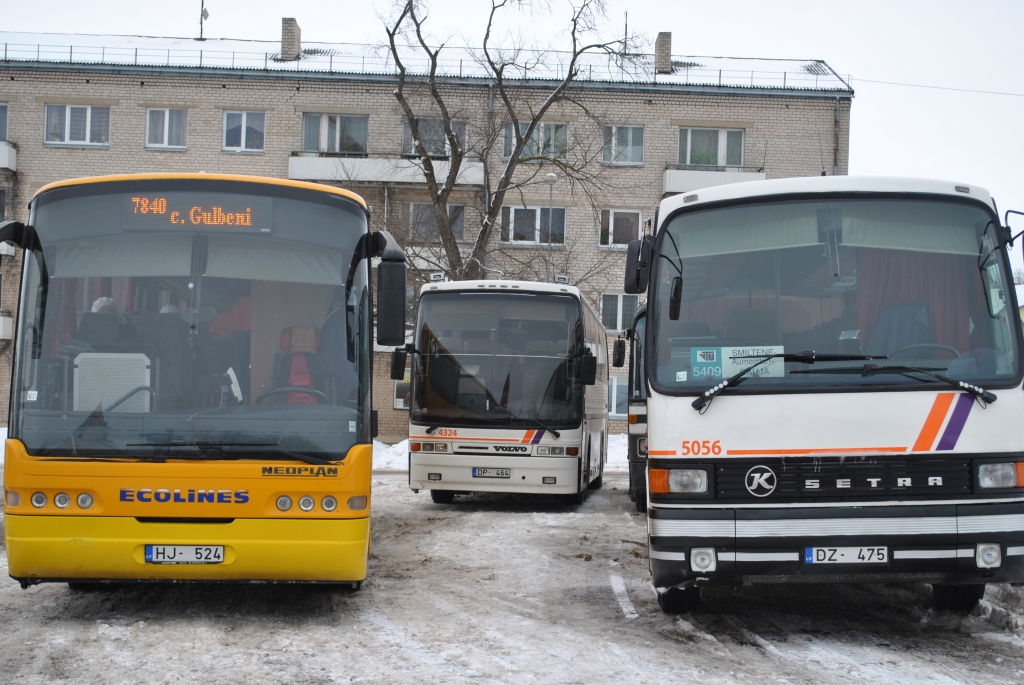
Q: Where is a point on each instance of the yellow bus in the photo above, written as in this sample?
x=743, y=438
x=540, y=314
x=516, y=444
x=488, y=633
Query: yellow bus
x=191, y=392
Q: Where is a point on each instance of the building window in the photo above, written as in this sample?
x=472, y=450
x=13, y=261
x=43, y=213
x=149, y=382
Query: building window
x=548, y=140
x=244, y=131
x=530, y=225
x=77, y=125
x=334, y=133
x=3, y=122
x=166, y=128
x=618, y=394
x=434, y=139
x=618, y=227
x=624, y=145
x=617, y=311
x=423, y=228
x=710, y=147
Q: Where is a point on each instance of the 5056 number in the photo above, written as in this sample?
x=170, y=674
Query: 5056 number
x=701, y=448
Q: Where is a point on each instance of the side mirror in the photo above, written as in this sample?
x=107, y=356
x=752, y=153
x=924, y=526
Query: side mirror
x=398, y=359
x=638, y=265
x=391, y=303
x=675, y=298
x=588, y=369
x=619, y=353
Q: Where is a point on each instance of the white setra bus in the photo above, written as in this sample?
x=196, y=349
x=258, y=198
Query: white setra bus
x=509, y=390
x=825, y=357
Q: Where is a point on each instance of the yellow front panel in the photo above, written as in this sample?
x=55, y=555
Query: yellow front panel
x=135, y=504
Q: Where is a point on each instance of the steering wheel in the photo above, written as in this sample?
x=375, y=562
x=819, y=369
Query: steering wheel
x=932, y=346
x=320, y=397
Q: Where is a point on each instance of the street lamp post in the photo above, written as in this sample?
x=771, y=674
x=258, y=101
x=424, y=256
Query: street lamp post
x=550, y=179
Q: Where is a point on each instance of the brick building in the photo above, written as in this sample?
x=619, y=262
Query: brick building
x=82, y=105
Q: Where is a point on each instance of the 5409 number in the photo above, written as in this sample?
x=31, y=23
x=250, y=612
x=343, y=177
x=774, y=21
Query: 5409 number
x=701, y=448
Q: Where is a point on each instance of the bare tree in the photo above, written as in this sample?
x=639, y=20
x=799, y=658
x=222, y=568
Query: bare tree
x=1018, y=276
x=521, y=110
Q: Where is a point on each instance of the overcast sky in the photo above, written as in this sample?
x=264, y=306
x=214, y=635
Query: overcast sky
x=896, y=130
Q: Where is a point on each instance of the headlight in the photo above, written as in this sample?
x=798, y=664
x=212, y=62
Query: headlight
x=62, y=500
x=688, y=480
x=284, y=502
x=543, y=451
x=988, y=555
x=306, y=503
x=702, y=560
x=38, y=500
x=329, y=503
x=84, y=500
x=997, y=475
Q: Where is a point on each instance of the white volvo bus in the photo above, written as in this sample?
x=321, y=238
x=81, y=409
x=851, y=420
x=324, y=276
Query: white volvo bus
x=509, y=390
x=825, y=357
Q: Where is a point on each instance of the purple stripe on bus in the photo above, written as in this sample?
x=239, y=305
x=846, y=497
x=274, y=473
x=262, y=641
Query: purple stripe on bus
x=956, y=422
x=537, y=437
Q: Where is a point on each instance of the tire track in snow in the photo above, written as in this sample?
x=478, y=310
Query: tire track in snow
x=619, y=588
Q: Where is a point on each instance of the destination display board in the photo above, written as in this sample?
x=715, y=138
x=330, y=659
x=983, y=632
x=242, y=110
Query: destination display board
x=226, y=212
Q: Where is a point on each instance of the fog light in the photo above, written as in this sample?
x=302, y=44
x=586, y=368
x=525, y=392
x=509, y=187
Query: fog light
x=997, y=475
x=549, y=480
x=62, y=500
x=84, y=500
x=357, y=503
x=688, y=480
x=38, y=500
x=433, y=476
x=306, y=503
x=555, y=451
x=702, y=560
x=543, y=451
x=284, y=502
x=329, y=503
x=988, y=555
x=13, y=499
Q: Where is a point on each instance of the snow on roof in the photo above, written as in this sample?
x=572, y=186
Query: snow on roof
x=823, y=184
x=353, y=58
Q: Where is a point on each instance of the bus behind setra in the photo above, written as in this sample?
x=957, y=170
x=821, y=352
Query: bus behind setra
x=509, y=390
x=825, y=357
x=191, y=393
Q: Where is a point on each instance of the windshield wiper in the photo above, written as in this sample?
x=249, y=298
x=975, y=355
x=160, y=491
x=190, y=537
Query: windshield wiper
x=803, y=357
x=536, y=422
x=870, y=369
x=225, y=448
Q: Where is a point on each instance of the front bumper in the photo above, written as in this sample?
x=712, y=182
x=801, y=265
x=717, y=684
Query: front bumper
x=925, y=543
x=526, y=473
x=60, y=548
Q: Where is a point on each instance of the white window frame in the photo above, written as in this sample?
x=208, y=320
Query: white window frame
x=611, y=227
x=542, y=139
x=67, y=127
x=323, y=144
x=167, y=128
x=536, y=225
x=245, y=120
x=623, y=325
x=611, y=151
x=615, y=382
x=451, y=210
x=723, y=145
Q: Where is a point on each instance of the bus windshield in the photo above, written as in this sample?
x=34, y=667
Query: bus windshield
x=201, y=319
x=915, y=282
x=488, y=357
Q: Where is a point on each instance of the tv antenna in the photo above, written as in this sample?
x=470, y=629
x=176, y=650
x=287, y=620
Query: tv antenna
x=203, y=16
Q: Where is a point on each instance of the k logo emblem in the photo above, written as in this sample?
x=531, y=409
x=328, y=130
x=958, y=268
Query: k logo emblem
x=760, y=481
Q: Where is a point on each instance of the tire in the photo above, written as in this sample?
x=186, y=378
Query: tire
x=575, y=500
x=442, y=496
x=679, y=600
x=597, y=482
x=641, y=501
x=959, y=598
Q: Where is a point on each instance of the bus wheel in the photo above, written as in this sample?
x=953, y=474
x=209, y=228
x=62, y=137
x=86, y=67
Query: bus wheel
x=576, y=499
x=597, y=482
x=442, y=496
x=961, y=598
x=641, y=501
x=679, y=600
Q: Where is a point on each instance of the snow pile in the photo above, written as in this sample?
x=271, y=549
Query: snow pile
x=618, y=445
x=391, y=457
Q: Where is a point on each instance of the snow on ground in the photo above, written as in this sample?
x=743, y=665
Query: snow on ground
x=396, y=457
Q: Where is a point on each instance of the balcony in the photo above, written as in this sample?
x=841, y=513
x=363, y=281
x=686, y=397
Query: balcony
x=684, y=178
x=8, y=156
x=311, y=166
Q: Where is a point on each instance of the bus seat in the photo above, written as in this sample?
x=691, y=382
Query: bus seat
x=167, y=336
x=898, y=327
x=297, y=365
x=541, y=348
x=99, y=327
x=452, y=345
x=751, y=325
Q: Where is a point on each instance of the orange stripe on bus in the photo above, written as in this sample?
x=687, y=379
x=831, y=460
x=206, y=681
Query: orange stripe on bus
x=458, y=439
x=934, y=422
x=827, y=450
x=528, y=437
x=661, y=453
